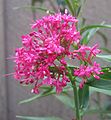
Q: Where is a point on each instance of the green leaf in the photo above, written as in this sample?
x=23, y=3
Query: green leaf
x=34, y=1
x=93, y=26
x=78, y=6
x=106, y=73
x=103, y=36
x=29, y=99
x=86, y=38
x=43, y=94
x=81, y=22
x=106, y=92
x=94, y=111
x=83, y=98
x=79, y=10
x=109, y=114
x=68, y=3
x=66, y=99
x=106, y=50
x=38, y=118
x=62, y=5
x=48, y=91
x=90, y=33
x=75, y=5
x=105, y=57
x=102, y=83
x=34, y=8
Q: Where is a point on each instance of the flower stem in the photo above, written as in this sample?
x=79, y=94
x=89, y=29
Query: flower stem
x=75, y=92
x=76, y=100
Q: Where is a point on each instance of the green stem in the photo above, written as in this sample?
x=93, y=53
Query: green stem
x=76, y=100
x=75, y=91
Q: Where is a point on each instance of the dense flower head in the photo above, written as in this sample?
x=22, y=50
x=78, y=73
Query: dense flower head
x=41, y=59
x=48, y=42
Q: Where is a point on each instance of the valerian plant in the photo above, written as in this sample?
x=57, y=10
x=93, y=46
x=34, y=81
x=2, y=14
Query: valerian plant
x=43, y=60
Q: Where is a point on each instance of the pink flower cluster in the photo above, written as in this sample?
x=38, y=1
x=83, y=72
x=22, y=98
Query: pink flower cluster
x=86, y=54
x=85, y=72
x=48, y=43
x=41, y=60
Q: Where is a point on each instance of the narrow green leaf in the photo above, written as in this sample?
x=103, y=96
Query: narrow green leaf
x=45, y=93
x=102, y=83
x=68, y=3
x=106, y=73
x=96, y=111
x=93, y=26
x=109, y=114
x=105, y=57
x=106, y=92
x=106, y=50
x=66, y=99
x=79, y=10
x=48, y=91
x=103, y=36
x=81, y=22
x=85, y=39
x=83, y=98
x=38, y=118
x=34, y=8
x=75, y=5
x=62, y=5
x=34, y=1
x=29, y=99
x=88, y=34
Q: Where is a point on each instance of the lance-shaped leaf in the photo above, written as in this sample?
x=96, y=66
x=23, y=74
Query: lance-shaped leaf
x=48, y=92
x=106, y=92
x=105, y=57
x=103, y=36
x=106, y=73
x=102, y=83
x=88, y=34
x=93, y=26
x=96, y=110
x=37, y=118
x=105, y=80
x=83, y=98
x=75, y=5
x=105, y=49
x=62, y=5
x=36, y=8
x=69, y=4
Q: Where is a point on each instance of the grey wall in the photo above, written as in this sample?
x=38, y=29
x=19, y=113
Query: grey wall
x=14, y=23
